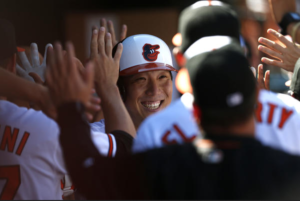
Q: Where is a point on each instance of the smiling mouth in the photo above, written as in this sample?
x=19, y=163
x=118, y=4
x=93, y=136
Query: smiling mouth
x=152, y=105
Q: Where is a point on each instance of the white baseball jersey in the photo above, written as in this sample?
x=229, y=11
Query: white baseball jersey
x=98, y=126
x=278, y=121
x=175, y=124
x=31, y=164
x=31, y=160
x=277, y=124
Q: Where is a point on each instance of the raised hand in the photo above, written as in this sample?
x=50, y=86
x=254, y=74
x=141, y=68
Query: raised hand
x=263, y=81
x=106, y=67
x=286, y=54
x=35, y=66
x=109, y=27
x=65, y=82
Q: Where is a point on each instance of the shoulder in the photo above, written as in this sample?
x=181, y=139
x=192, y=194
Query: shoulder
x=279, y=98
x=27, y=119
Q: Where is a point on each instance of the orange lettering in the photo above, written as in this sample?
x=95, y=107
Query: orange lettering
x=9, y=139
x=285, y=114
x=258, y=111
x=271, y=112
x=22, y=143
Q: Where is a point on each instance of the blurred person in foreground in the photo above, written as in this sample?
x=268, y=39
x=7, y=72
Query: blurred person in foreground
x=227, y=164
x=31, y=158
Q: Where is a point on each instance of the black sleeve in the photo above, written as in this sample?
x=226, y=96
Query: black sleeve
x=124, y=142
x=95, y=176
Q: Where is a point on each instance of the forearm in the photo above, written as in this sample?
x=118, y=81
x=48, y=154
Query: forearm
x=78, y=148
x=12, y=86
x=115, y=113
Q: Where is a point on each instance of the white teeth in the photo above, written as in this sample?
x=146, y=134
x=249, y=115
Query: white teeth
x=152, y=106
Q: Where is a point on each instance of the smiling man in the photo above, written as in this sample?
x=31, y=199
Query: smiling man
x=145, y=81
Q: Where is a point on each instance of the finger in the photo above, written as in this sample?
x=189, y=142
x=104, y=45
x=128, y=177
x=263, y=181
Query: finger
x=111, y=30
x=118, y=53
x=270, y=52
x=108, y=45
x=46, y=52
x=95, y=100
x=37, y=79
x=34, y=52
x=260, y=75
x=48, y=77
x=24, y=60
x=103, y=23
x=253, y=71
x=71, y=62
x=91, y=107
x=123, y=32
x=94, y=44
x=22, y=73
x=59, y=59
x=89, y=116
x=280, y=37
x=51, y=71
x=271, y=44
x=101, y=45
x=89, y=75
x=267, y=80
x=273, y=62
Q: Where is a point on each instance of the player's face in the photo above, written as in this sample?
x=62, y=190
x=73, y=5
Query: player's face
x=147, y=93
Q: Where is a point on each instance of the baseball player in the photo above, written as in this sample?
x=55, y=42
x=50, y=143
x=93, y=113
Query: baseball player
x=145, y=80
x=176, y=124
x=31, y=165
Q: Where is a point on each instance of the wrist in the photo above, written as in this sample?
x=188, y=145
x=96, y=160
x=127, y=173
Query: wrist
x=104, y=88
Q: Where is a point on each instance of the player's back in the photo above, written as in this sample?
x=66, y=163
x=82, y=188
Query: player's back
x=278, y=121
x=31, y=164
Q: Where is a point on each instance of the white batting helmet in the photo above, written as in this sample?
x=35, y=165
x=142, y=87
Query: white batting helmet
x=144, y=52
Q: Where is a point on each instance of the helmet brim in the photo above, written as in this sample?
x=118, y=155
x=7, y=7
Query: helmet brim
x=146, y=67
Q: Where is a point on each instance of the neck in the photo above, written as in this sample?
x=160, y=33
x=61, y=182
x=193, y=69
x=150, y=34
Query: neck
x=246, y=129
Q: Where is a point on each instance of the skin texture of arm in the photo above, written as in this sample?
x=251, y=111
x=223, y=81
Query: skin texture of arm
x=12, y=86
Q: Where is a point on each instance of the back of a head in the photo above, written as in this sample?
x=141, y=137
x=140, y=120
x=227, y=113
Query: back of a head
x=223, y=85
x=207, y=18
x=7, y=40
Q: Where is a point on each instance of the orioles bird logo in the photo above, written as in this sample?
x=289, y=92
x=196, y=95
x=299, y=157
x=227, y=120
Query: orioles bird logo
x=149, y=52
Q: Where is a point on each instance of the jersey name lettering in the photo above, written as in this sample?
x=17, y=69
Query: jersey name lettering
x=9, y=139
x=285, y=114
x=181, y=134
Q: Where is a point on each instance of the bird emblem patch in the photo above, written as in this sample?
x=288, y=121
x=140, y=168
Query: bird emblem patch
x=150, y=52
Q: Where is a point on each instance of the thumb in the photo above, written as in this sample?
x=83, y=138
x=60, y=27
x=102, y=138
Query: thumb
x=37, y=79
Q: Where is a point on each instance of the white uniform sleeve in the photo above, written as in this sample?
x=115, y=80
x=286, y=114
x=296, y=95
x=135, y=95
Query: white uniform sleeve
x=105, y=143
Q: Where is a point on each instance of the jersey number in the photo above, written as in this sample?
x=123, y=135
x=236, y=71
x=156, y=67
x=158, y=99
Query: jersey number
x=13, y=180
x=180, y=133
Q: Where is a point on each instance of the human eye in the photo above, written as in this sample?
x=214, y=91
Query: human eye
x=139, y=79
